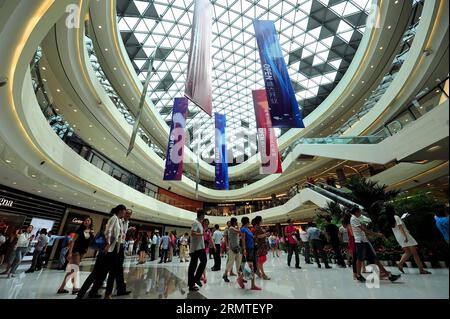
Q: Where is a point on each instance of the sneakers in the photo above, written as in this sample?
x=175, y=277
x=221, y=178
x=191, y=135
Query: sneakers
x=393, y=278
x=256, y=288
x=195, y=288
x=328, y=267
x=361, y=278
x=225, y=278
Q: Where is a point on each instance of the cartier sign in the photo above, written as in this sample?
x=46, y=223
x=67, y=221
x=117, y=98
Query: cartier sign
x=6, y=202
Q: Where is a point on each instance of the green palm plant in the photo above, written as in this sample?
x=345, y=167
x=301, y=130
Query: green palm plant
x=371, y=196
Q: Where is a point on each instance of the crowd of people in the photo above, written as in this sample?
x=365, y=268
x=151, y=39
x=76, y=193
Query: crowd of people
x=246, y=244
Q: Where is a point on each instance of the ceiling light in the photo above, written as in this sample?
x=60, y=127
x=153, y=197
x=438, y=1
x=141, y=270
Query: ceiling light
x=434, y=148
x=106, y=49
x=8, y=161
x=90, y=125
x=57, y=110
x=115, y=69
x=389, y=27
x=381, y=48
x=58, y=90
x=74, y=125
x=75, y=110
x=44, y=80
x=39, y=191
x=123, y=84
x=14, y=183
x=33, y=175
x=44, y=68
x=99, y=26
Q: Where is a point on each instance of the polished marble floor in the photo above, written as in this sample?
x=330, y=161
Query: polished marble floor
x=168, y=281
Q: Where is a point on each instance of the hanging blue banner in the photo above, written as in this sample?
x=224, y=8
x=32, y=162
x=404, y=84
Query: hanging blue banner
x=175, y=148
x=283, y=103
x=221, y=153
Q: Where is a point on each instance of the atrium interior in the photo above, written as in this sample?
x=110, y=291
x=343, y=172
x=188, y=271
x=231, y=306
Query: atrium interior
x=131, y=135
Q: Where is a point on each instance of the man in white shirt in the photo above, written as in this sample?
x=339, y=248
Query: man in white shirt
x=23, y=242
x=197, y=252
x=305, y=243
x=364, y=250
x=113, y=234
x=120, y=281
x=217, y=239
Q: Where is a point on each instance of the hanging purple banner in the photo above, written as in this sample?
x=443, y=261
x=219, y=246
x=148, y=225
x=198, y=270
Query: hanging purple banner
x=175, y=148
x=283, y=104
x=221, y=153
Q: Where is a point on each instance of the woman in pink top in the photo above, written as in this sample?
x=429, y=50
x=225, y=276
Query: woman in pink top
x=207, y=237
x=351, y=242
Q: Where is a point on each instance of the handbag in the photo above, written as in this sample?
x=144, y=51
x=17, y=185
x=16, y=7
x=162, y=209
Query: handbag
x=98, y=242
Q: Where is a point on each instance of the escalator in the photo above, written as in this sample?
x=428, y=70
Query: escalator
x=340, y=196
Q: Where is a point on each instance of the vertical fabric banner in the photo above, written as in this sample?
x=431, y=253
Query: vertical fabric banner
x=221, y=153
x=175, y=148
x=198, y=81
x=283, y=103
x=267, y=139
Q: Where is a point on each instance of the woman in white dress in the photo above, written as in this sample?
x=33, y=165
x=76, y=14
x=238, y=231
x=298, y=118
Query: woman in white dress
x=405, y=240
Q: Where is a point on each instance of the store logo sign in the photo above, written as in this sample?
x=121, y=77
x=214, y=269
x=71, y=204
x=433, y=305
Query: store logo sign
x=77, y=221
x=6, y=202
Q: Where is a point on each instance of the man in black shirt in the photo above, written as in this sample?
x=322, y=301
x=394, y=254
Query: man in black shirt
x=332, y=232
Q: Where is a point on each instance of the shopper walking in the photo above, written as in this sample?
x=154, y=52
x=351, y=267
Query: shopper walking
x=197, y=252
x=171, y=246
x=209, y=244
x=143, y=248
x=153, y=246
x=262, y=247
x=217, y=239
x=248, y=246
x=292, y=243
x=24, y=239
x=234, y=251
x=184, y=248
x=305, y=244
x=113, y=232
x=4, y=241
x=364, y=250
x=52, y=238
x=332, y=232
x=405, y=240
x=343, y=238
x=273, y=245
x=77, y=249
x=441, y=218
x=351, y=248
x=165, y=246
x=120, y=280
x=317, y=245
x=40, y=247
x=157, y=242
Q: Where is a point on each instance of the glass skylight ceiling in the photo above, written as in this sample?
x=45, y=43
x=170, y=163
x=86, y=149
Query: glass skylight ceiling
x=318, y=37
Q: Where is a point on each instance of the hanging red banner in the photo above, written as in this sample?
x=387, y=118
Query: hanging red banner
x=268, y=146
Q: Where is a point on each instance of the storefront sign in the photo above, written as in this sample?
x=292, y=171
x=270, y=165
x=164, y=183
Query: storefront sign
x=6, y=202
x=77, y=221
